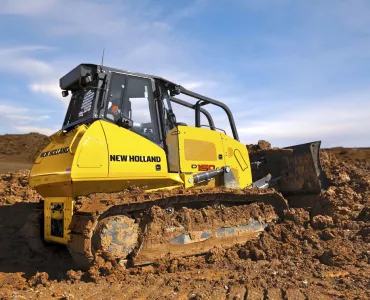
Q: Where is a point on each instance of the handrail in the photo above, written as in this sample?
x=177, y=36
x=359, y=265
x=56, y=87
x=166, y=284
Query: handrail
x=202, y=110
x=202, y=100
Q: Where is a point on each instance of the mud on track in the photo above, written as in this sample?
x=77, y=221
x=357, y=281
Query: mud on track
x=319, y=249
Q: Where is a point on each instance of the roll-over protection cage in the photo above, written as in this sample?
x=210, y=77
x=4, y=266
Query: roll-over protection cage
x=203, y=100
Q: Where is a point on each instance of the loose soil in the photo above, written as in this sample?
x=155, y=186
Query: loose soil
x=318, y=249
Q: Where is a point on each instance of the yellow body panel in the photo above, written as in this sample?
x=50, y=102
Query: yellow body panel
x=133, y=154
x=91, y=157
x=104, y=157
x=199, y=146
x=237, y=158
x=172, y=142
x=51, y=172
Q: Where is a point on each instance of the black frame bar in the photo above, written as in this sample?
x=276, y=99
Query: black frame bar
x=201, y=110
x=202, y=100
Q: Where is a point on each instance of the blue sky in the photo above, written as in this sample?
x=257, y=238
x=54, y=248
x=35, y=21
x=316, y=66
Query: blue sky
x=291, y=71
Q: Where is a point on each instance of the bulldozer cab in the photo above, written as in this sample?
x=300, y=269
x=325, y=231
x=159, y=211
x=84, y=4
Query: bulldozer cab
x=138, y=102
x=120, y=98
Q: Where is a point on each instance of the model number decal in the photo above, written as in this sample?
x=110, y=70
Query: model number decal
x=134, y=158
x=206, y=167
x=55, y=152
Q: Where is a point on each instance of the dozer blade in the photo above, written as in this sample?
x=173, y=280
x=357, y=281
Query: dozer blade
x=295, y=169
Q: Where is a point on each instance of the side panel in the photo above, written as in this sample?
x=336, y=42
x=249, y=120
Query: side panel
x=91, y=158
x=110, y=158
x=200, y=149
x=172, y=142
x=132, y=156
x=55, y=157
x=51, y=173
x=237, y=158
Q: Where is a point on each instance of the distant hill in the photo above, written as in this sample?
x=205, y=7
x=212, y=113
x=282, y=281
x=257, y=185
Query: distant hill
x=25, y=145
x=351, y=155
x=18, y=151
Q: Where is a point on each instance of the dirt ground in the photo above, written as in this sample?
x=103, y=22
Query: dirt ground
x=319, y=249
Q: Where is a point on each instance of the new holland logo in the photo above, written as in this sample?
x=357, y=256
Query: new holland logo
x=55, y=152
x=134, y=158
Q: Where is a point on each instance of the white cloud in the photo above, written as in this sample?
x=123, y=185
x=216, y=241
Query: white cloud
x=50, y=89
x=19, y=59
x=26, y=7
x=22, y=49
x=23, y=119
x=344, y=118
x=192, y=85
x=6, y=109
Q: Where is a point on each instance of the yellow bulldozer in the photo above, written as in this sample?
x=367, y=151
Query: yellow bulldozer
x=125, y=179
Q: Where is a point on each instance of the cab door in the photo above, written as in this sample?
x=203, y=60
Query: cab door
x=134, y=153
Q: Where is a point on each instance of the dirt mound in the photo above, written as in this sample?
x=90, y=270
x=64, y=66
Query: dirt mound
x=14, y=188
x=318, y=249
x=18, y=264
x=351, y=155
x=27, y=146
x=18, y=151
x=261, y=145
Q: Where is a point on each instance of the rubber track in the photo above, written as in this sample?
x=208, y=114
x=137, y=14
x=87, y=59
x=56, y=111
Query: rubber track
x=84, y=222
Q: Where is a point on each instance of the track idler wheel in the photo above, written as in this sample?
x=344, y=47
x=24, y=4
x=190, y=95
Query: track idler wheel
x=116, y=236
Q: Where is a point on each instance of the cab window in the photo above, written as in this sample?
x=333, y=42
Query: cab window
x=131, y=97
x=115, y=96
x=139, y=106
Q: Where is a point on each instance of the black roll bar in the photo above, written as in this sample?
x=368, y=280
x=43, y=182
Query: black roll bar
x=202, y=100
x=205, y=112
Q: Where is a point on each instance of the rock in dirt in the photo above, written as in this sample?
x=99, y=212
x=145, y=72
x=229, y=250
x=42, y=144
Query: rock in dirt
x=337, y=257
x=257, y=254
x=215, y=254
x=299, y=216
x=39, y=278
x=74, y=276
x=14, y=189
x=261, y=145
x=364, y=214
x=321, y=222
x=365, y=233
x=327, y=234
